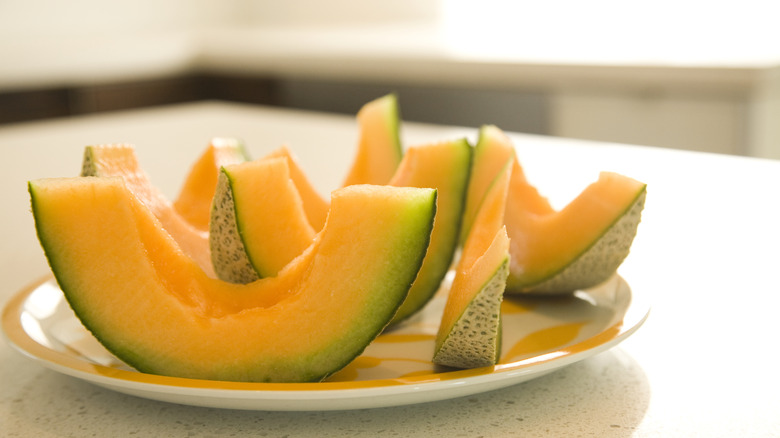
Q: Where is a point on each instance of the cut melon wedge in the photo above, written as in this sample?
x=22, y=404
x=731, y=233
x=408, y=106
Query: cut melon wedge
x=258, y=223
x=154, y=308
x=314, y=204
x=558, y=252
x=120, y=160
x=469, y=334
x=379, y=146
x=578, y=247
x=445, y=167
x=194, y=201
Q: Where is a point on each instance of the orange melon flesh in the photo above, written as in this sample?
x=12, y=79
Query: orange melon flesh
x=149, y=304
x=544, y=244
x=445, y=167
x=315, y=206
x=194, y=201
x=121, y=160
x=267, y=226
x=379, y=146
x=477, y=289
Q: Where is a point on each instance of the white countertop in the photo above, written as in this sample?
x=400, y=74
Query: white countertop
x=705, y=256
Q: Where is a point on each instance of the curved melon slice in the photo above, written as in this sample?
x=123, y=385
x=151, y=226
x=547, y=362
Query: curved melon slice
x=258, y=224
x=379, y=146
x=445, y=167
x=149, y=304
x=469, y=335
x=555, y=252
x=194, y=201
x=120, y=160
x=316, y=206
x=581, y=245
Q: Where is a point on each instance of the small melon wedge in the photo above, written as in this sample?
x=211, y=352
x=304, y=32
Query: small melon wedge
x=314, y=204
x=379, y=146
x=558, y=252
x=445, y=167
x=194, y=201
x=469, y=334
x=258, y=223
x=578, y=247
x=120, y=160
x=149, y=304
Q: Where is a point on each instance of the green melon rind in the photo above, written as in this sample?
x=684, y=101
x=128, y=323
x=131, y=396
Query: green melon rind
x=394, y=125
x=88, y=166
x=392, y=115
x=475, y=339
x=596, y=264
x=228, y=254
x=439, y=258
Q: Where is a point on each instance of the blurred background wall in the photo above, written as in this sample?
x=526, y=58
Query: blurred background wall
x=689, y=75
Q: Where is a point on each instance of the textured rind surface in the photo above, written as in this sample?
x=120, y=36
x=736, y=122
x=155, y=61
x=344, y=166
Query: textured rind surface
x=597, y=264
x=228, y=253
x=475, y=339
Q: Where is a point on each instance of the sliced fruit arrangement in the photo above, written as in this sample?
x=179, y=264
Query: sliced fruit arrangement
x=120, y=160
x=252, y=275
x=555, y=252
x=194, y=201
x=258, y=223
x=151, y=306
x=469, y=335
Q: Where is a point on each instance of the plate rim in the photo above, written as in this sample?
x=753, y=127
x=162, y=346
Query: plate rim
x=309, y=396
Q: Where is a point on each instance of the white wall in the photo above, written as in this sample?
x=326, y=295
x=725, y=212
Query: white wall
x=335, y=12
x=36, y=19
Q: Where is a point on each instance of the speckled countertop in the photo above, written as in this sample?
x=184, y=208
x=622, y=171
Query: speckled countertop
x=702, y=365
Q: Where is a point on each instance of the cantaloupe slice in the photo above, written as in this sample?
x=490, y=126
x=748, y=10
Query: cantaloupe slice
x=445, y=167
x=379, y=146
x=578, y=247
x=194, y=201
x=315, y=206
x=556, y=252
x=469, y=334
x=258, y=223
x=120, y=160
x=155, y=309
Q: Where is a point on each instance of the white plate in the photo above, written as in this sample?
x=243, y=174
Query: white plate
x=540, y=336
